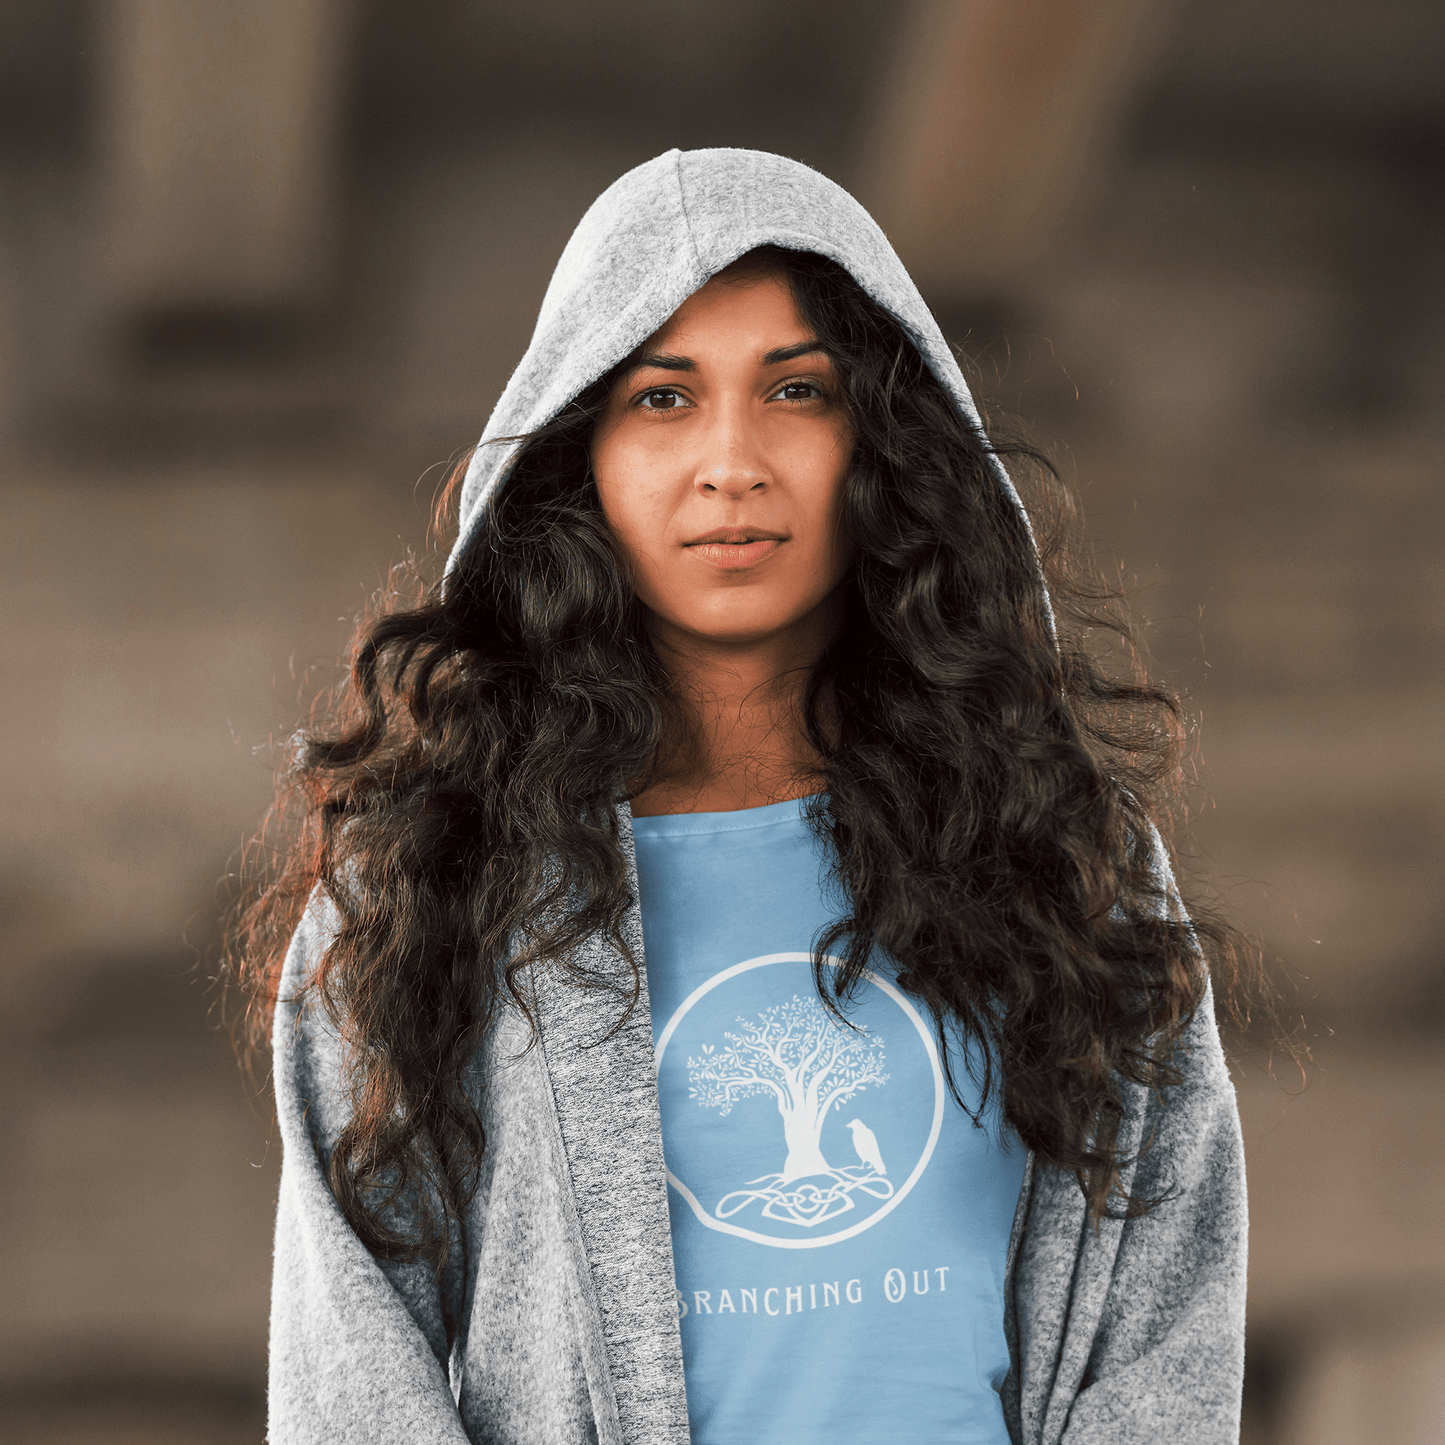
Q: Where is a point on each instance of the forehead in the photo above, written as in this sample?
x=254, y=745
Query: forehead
x=740, y=309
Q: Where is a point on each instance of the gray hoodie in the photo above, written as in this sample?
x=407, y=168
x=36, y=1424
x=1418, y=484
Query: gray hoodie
x=556, y=1319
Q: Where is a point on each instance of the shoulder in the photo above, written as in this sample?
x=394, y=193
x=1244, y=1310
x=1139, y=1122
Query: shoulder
x=319, y=925
x=305, y=1042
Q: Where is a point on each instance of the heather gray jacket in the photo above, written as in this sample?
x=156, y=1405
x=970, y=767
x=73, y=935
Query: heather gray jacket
x=556, y=1320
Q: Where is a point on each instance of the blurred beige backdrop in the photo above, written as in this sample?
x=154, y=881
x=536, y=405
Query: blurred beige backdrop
x=264, y=268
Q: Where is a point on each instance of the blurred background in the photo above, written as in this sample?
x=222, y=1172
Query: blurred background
x=264, y=268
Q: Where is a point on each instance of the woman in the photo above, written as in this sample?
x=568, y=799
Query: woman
x=742, y=994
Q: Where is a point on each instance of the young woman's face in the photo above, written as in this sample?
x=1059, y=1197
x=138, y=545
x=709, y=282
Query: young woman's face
x=720, y=460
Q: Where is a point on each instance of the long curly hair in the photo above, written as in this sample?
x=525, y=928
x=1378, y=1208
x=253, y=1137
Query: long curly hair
x=989, y=792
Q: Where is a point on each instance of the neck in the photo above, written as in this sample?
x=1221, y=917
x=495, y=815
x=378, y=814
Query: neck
x=737, y=740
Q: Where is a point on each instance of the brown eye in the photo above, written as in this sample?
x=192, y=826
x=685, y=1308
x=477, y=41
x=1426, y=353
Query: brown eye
x=664, y=398
x=798, y=391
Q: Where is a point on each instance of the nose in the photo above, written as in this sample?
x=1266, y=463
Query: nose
x=732, y=464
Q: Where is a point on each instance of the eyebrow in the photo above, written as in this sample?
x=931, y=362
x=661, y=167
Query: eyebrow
x=660, y=361
x=668, y=361
x=791, y=353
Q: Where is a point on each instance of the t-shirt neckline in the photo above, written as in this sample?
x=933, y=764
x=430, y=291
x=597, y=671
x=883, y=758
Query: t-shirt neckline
x=669, y=825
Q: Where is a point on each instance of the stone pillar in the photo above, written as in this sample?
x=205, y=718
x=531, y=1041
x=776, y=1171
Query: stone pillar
x=218, y=142
x=991, y=116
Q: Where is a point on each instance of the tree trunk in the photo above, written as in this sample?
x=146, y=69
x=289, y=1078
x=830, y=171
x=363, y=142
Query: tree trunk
x=804, y=1154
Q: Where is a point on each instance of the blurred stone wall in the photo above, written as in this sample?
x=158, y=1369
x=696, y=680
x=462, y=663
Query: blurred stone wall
x=248, y=311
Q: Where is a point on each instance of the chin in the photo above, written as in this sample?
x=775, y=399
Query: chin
x=735, y=636
x=737, y=626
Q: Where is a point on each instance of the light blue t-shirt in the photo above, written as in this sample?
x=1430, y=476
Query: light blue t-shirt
x=839, y=1225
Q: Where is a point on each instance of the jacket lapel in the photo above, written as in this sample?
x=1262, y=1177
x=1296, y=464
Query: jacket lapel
x=1060, y=1268
x=605, y=1093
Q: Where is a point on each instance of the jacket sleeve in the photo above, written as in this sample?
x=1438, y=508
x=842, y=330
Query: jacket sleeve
x=359, y=1348
x=1166, y=1359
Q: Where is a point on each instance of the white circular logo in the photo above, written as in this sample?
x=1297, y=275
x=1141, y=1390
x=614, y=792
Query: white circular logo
x=795, y=1054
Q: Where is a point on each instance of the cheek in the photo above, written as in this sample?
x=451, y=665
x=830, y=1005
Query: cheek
x=622, y=492
x=831, y=543
x=637, y=516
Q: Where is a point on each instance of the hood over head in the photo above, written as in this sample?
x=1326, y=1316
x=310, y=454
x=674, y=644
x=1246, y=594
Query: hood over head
x=650, y=240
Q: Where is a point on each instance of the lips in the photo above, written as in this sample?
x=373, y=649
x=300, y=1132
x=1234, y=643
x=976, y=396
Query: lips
x=736, y=536
x=733, y=548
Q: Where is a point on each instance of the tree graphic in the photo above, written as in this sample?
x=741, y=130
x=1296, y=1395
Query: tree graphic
x=806, y=1060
